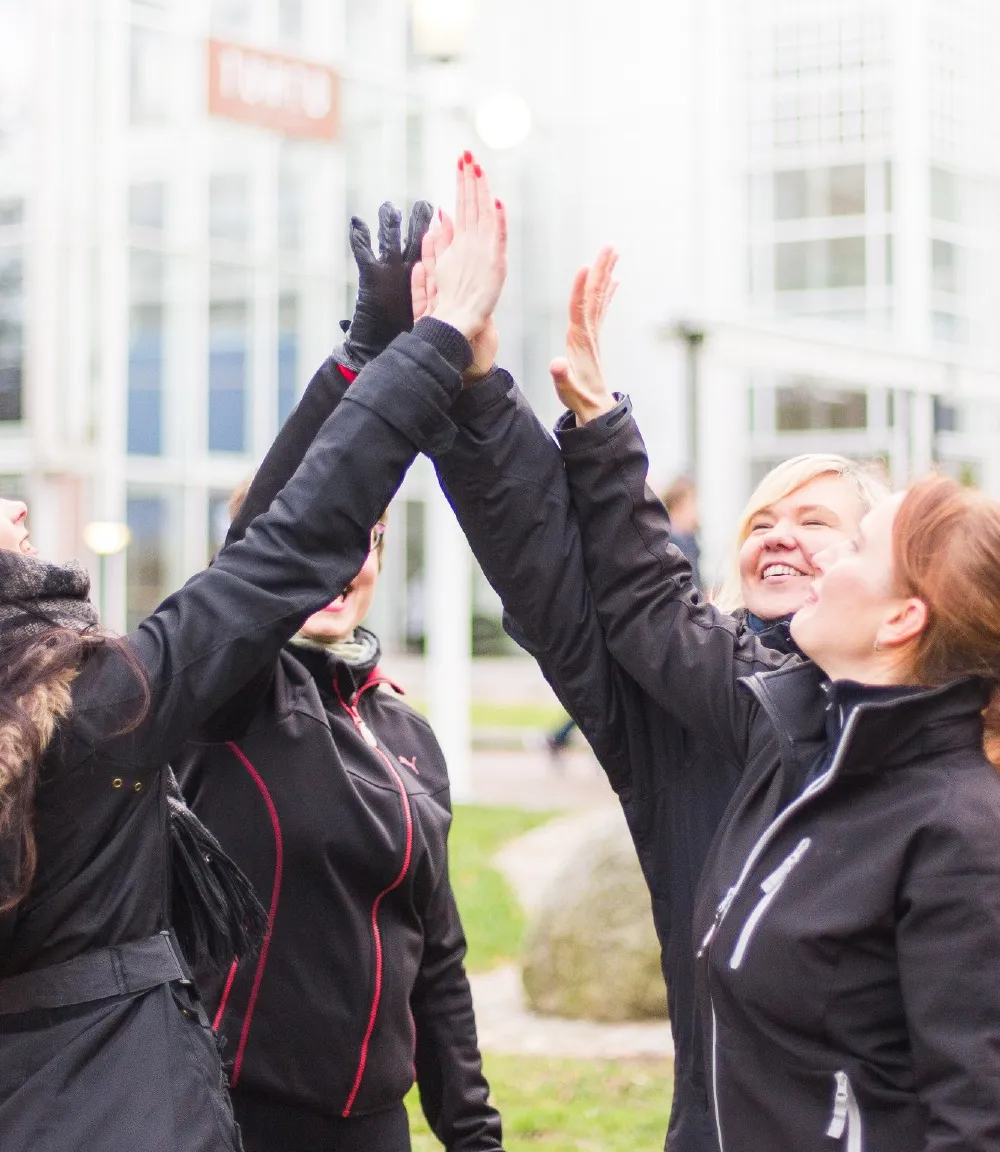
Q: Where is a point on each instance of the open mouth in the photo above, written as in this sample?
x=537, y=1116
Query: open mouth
x=777, y=571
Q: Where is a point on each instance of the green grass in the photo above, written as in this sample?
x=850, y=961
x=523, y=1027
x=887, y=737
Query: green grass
x=494, y=714
x=571, y=1105
x=491, y=915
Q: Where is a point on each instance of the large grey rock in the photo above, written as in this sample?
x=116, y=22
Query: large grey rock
x=591, y=951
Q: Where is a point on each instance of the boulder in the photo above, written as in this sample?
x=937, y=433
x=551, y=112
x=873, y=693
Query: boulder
x=591, y=952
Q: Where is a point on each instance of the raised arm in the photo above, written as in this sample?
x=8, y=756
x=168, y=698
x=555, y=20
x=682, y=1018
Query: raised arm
x=687, y=655
x=382, y=312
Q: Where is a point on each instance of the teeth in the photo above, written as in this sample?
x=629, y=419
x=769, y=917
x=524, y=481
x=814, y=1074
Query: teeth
x=780, y=570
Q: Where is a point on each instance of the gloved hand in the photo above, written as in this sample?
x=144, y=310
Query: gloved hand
x=384, y=307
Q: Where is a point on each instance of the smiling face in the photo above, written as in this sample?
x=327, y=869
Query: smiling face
x=776, y=558
x=854, y=623
x=13, y=529
x=339, y=618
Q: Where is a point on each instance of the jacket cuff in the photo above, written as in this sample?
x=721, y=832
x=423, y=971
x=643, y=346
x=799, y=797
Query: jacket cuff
x=573, y=438
x=482, y=395
x=448, y=342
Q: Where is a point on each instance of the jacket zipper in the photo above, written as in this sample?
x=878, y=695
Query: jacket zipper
x=818, y=785
x=351, y=708
x=846, y=1118
x=770, y=887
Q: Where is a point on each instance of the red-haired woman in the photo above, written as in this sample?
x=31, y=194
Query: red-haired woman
x=848, y=915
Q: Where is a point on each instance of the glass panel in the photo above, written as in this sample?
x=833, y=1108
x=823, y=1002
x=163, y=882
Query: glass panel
x=229, y=207
x=145, y=354
x=792, y=265
x=228, y=351
x=845, y=262
x=288, y=354
x=232, y=15
x=146, y=206
x=218, y=521
x=945, y=196
x=946, y=271
x=290, y=19
x=289, y=209
x=146, y=558
x=11, y=333
x=846, y=192
x=148, y=83
x=807, y=405
x=790, y=195
x=11, y=213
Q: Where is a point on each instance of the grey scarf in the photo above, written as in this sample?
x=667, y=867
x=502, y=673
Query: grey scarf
x=36, y=596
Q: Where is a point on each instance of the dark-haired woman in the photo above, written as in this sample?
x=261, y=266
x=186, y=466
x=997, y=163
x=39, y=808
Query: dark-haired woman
x=102, y=1042
x=333, y=795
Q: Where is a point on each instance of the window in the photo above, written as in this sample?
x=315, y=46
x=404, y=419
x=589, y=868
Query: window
x=801, y=194
x=791, y=195
x=290, y=19
x=11, y=333
x=288, y=354
x=229, y=208
x=148, y=70
x=145, y=354
x=289, y=209
x=808, y=405
x=218, y=522
x=232, y=15
x=11, y=213
x=800, y=265
x=846, y=190
x=946, y=267
x=228, y=350
x=147, y=571
x=146, y=206
x=845, y=262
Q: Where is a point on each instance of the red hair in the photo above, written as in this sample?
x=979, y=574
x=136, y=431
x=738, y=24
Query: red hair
x=946, y=551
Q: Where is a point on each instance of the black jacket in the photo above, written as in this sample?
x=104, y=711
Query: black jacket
x=138, y=1071
x=505, y=478
x=848, y=916
x=332, y=795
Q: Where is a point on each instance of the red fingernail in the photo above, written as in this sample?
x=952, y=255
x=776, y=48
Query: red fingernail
x=478, y=171
x=499, y=205
x=461, y=164
x=467, y=157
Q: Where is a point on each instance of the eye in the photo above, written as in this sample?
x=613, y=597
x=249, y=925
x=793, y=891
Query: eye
x=761, y=526
x=816, y=524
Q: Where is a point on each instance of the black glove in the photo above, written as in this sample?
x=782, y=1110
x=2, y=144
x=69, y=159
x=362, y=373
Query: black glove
x=384, y=307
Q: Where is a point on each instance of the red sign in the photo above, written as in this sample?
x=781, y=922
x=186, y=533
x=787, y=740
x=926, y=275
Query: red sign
x=296, y=97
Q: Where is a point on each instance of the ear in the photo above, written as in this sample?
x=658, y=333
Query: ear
x=904, y=624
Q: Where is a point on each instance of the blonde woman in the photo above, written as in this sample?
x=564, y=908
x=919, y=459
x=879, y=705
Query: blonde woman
x=506, y=480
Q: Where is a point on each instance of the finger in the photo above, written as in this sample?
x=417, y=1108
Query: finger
x=486, y=205
x=444, y=233
x=361, y=242
x=418, y=291
x=609, y=296
x=470, y=173
x=460, y=192
x=577, y=297
x=597, y=282
x=500, y=241
x=428, y=249
x=420, y=220
x=389, y=219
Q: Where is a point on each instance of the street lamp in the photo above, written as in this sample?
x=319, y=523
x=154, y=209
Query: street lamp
x=105, y=538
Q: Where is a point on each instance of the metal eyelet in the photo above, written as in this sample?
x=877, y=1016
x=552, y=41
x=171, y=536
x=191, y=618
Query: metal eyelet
x=117, y=782
x=137, y=786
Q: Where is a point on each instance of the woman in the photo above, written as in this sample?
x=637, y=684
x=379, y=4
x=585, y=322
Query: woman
x=102, y=1042
x=857, y=869
x=506, y=480
x=333, y=796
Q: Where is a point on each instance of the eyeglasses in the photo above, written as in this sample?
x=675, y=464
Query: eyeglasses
x=376, y=537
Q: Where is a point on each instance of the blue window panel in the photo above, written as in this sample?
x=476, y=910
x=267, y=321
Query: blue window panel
x=288, y=362
x=145, y=391
x=226, y=397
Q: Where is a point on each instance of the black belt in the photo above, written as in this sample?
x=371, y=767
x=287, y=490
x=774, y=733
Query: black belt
x=120, y=970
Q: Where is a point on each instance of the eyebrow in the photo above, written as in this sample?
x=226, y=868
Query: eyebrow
x=804, y=510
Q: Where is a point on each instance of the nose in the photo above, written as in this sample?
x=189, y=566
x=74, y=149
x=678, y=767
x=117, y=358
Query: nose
x=779, y=535
x=14, y=510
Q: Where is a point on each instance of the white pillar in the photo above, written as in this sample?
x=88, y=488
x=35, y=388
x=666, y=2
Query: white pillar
x=447, y=561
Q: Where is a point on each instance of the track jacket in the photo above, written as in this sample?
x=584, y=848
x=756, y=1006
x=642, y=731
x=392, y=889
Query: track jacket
x=848, y=916
x=137, y=1070
x=333, y=796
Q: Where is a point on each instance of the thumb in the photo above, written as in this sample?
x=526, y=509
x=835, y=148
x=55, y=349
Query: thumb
x=559, y=370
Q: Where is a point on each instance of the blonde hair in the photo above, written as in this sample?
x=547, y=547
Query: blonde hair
x=867, y=477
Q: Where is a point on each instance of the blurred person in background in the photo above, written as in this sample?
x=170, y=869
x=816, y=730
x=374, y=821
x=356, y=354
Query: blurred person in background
x=507, y=482
x=333, y=795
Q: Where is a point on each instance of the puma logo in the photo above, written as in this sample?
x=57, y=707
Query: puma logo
x=411, y=764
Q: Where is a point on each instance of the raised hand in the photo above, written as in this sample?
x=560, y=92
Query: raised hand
x=469, y=256
x=578, y=376
x=383, y=309
x=424, y=286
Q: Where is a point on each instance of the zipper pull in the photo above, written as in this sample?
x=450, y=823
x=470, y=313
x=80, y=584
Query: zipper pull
x=839, y=1118
x=366, y=732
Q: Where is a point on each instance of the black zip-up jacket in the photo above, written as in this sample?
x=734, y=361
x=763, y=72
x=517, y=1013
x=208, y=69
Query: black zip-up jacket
x=848, y=915
x=504, y=476
x=138, y=1071
x=332, y=795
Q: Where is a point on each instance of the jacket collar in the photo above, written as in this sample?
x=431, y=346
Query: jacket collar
x=890, y=726
x=329, y=669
